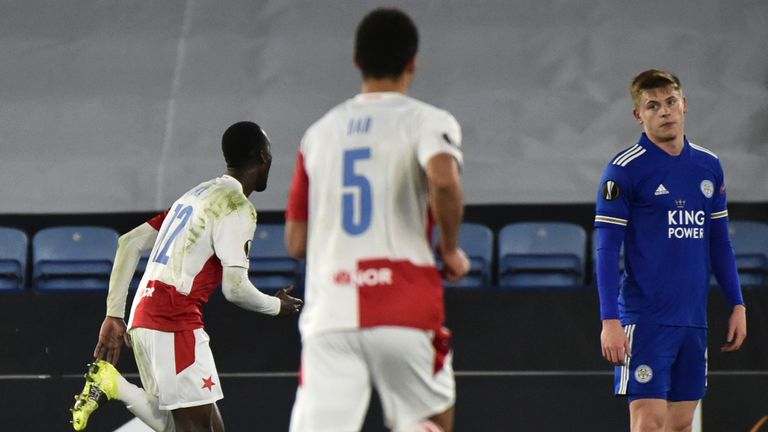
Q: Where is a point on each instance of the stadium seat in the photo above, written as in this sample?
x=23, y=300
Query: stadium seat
x=750, y=244
x=13, y=258
x=271, y=267
x=594, y=254
x=477, y=242
x=541, y=255
x=73, y=258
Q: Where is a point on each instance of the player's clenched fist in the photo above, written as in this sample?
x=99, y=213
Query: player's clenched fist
x=456, y=264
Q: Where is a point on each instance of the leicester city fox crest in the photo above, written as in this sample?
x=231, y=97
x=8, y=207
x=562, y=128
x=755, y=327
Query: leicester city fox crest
x=643, y=374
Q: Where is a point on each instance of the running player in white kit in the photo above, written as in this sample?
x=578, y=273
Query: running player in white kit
x=367, y=175
x=203, y=238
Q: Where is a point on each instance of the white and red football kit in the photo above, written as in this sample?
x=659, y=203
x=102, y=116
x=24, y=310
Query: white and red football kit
x=208, y=228
x=361, y=186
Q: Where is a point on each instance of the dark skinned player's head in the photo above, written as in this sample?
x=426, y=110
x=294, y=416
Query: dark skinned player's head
x=247, y=151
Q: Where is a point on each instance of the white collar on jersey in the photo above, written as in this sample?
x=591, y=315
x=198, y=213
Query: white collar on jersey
x=371, y=96
x=229, y=178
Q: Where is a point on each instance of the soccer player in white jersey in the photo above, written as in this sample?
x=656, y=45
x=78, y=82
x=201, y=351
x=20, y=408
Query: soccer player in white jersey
x=200, y=242
x=367, y=175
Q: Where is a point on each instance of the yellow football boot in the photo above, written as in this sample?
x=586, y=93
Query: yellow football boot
x=100, y=385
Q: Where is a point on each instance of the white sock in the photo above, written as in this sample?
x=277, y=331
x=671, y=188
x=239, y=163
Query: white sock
x=144, y=406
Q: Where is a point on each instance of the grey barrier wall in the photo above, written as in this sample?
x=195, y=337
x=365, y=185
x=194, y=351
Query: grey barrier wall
x=525, y=361
x=110, y=106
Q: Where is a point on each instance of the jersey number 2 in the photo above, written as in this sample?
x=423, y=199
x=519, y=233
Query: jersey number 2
x=356, y=224
x=179, y=213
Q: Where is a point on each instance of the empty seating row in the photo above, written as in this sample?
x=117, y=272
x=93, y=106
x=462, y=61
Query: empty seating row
x=70, y=258
x=527, y=254
x=80, y=258
x=530, y=254
x=551, y=254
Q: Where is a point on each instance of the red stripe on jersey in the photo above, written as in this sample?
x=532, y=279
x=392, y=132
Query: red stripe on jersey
x=163, y=308
x=157, y=221
x=298, y=199
x=399, y=293
x=442, y=343
x=184, y=349
x=208, y=279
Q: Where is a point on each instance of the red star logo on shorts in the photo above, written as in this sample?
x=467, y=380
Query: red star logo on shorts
x=208, y=383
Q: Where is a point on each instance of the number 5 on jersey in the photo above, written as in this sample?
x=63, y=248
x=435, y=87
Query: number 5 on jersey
x=181, y=214
x=356, y=218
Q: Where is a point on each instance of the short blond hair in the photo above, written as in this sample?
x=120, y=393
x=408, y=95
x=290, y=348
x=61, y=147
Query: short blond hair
x=652, y=79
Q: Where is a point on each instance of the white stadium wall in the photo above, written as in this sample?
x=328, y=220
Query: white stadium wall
x=119, y=106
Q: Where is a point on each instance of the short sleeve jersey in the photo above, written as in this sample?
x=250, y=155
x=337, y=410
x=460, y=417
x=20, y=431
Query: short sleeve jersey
x=361, y=184
x=666, y=204
x=208, y=228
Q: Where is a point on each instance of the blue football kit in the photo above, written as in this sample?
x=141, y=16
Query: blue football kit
x=671, y=214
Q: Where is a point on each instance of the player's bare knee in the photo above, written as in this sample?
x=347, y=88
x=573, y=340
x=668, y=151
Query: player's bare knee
x=648, y=422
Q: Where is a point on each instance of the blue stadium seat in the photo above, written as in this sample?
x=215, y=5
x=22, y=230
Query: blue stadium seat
x=13, y=258
x=594, y=254
x=271, y=267
x=541, y=255
x=73, y=258
x=750, y=244
x=477, y=242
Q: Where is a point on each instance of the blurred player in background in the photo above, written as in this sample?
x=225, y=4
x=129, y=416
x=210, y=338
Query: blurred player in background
x=366, y=175
x=202, y=241
x=664, y=198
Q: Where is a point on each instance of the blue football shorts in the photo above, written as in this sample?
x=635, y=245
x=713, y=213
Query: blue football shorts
x=667, y=362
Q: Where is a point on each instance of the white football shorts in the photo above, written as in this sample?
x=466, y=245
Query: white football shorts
x=410, y=368
x=176, y=367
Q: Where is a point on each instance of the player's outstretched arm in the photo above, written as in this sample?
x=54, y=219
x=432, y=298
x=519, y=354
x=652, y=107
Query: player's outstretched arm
x=240, y=291
x=448, y=207
x=129, y=249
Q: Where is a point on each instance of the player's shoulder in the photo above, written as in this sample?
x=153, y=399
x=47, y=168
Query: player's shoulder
x=225, y=196
x=628, y=158
x=426, y=110
x=627, y=164
x=702, y=153
x=423, y=119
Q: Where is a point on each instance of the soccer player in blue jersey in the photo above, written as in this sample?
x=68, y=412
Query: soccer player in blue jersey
x=664, y=198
